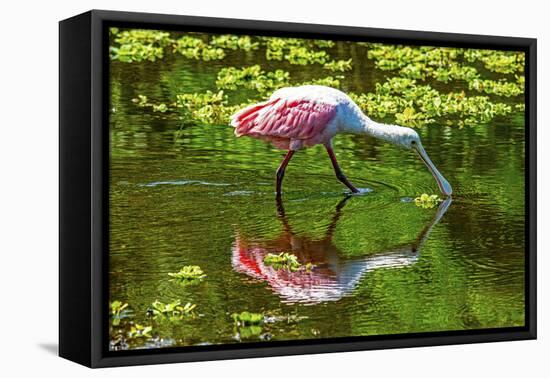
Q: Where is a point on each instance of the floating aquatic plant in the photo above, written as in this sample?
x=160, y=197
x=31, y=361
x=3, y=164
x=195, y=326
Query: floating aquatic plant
x=338, y=65
x=520, y=107
x=283, y=260
x=406, y=98
x=248, y=324
x=139, y=45
x=303, y=56
x=505, y=62
x=136, y=53
x=188, y=274
x=208, y=107
x=427, y=201
x=297, y=51
x=322, y=43
x=329, y=81
x=453, y=71
x=445, y=64
x=250, y=331
x=118, y=342
x=195, y=48
x=144, y=36
x=290, y=318
x=308, y=267
x=499, y=88
x=173, y=310
x=143, y=102
x=234, y=42
x=252, y=77
x=410, y=117
x=246, y=318
x=138, y=331
x=416, y=104
x=118, y=311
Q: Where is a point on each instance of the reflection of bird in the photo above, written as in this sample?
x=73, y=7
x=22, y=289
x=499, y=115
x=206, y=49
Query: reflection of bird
x=332, y=276
x=298, y=117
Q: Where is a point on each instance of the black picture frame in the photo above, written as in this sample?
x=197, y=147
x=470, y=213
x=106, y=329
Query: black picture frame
x=83, y=195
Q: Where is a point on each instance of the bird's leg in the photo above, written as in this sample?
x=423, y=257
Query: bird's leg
x=336, y=217
x=339, y=174
x=281, y=171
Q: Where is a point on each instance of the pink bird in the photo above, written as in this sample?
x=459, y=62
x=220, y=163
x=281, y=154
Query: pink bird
x=298, y=117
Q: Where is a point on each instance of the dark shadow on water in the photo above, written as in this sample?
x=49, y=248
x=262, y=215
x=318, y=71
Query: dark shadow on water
x=51, y=348
x=333, y=276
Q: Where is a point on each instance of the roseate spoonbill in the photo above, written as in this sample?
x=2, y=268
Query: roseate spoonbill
x=298, y=117
x=333, y=276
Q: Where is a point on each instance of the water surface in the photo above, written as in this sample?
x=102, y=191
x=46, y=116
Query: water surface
x=196, y=195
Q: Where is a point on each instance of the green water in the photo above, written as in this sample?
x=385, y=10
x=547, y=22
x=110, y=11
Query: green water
x=195, y=195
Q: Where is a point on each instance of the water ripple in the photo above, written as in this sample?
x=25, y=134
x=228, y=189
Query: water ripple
x=184, y=182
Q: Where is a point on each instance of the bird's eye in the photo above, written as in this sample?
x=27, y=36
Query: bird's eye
x=413, y=142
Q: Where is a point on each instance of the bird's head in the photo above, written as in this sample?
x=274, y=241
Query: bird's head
x=409, y=139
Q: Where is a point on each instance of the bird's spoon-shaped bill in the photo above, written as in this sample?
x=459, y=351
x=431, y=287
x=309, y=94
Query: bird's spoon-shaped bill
x=443, y=184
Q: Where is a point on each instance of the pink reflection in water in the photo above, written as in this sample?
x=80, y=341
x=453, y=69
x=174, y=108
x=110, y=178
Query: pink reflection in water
x=333, y=276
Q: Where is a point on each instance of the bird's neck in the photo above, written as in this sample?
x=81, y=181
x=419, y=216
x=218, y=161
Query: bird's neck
x=365, y=125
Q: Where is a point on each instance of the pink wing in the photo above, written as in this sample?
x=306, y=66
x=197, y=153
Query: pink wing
x=303, y=119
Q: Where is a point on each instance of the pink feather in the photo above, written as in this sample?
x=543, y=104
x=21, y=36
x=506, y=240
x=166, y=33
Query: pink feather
x=284, y=119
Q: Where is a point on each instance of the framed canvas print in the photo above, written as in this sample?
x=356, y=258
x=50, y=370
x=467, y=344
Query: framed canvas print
x=233, y=188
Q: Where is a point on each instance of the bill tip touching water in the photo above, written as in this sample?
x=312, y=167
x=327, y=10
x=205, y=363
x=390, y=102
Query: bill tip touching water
x=294, y=118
